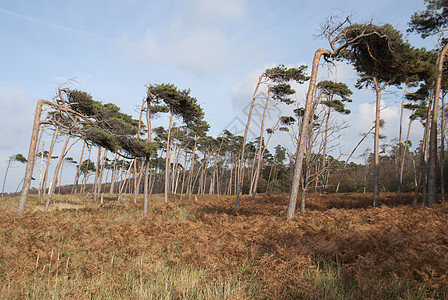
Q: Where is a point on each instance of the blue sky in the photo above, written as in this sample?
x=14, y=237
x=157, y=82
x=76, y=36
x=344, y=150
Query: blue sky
x=216, y=48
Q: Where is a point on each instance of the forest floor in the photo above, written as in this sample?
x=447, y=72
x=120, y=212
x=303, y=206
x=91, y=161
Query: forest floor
x=202, y=249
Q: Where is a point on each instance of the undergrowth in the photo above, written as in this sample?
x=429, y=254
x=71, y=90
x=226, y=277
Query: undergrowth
x=342, y=249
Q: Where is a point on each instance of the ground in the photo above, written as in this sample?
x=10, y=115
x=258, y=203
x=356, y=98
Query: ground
x=342, y=248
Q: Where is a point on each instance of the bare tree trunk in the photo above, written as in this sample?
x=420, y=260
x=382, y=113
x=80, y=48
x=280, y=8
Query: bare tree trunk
x=324, y=155
x=42, y=154
x=147, y=178
x=303, y=135
x=30, y=163
x=167, y=161
x=145, y=187
x=240, y=172
x=97, y=170
x=50, y=153
x=348, y=159
x=432, y=178
x=183, y=176
x=422, y=174
x=100, y=179
x=60, y=176
x=140, y=174
x=55, y=177
x=257, y=171
x=128, y=175
x=84, y=180
x=442, y=151
x=6, y=174
x=230, y=178
x=376, y=160
x=400, y=148
x=403, y=156
x=114, y=174
x=41, y=169
x=75, y=183
x=190, y=173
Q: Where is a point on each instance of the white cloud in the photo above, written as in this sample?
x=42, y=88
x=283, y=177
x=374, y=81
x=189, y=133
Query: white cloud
x=229, y=9
x=243, y=91
x=195, y=41
x=366, y=117
x=147, y=48
x=200, y=51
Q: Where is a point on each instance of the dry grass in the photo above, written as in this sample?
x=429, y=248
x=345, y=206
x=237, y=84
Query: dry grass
x=342, y=249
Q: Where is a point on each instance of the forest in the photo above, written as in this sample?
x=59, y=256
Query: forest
x=169, y=211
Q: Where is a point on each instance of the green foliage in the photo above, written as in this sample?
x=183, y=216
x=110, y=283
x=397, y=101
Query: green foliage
x=335, y=93
x=432, y=20
x=281, y=74
x=281, y=92
x=109, y=128
x=179, y=103
x=19, y=158
x=87, y=166
x=380, y=52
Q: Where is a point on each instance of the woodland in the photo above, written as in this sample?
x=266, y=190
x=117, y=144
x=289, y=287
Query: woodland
x=172, y=212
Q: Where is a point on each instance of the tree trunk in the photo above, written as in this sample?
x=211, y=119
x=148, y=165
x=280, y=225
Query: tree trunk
x=50, y=153
x=432, y=177
x=376, y=152
x=6, y=174
x=324, y=155
x=41, y=161
x=30, y=163
x=123, y=183
x=240, y=173
x=257, y=171
x=190, y=173
x=97, y=170
x=184, y=175
x=400, y=150
x=86, y=172
x=422, y=174
x=114, y=174
x=75, y=182
x=55, y=177
x=403, y=156
x=146, y=184
x=41, y=169
x=442, y=151
x=145, y=188
x=100, y=179
x=303, y=135
x=167, y=161
x=348, y=159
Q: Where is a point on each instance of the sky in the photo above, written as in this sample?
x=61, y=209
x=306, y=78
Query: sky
x=218, y=49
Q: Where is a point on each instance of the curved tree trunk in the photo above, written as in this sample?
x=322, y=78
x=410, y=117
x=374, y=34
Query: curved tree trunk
x=240, y=172
x=30, y=163
x=303, y=135
x=6, y=174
